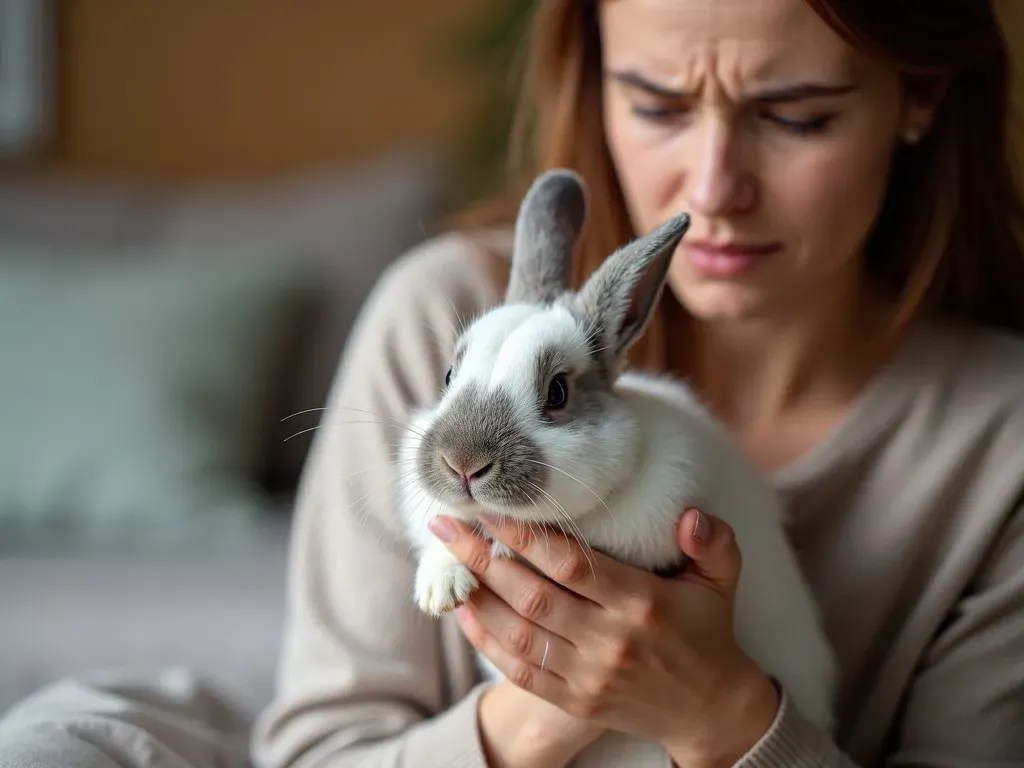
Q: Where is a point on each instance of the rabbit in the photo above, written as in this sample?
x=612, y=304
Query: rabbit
x=541, y=421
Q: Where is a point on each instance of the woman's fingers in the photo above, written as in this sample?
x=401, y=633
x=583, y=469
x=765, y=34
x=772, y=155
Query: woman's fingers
x=522, y=672
x=710, y=543
x=520, y=637
x=531, y=596
x=564, y=560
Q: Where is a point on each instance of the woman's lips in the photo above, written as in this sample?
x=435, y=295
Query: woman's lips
x=726, y=259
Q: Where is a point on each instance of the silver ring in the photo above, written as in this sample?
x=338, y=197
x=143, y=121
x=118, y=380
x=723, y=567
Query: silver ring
x=544, y=658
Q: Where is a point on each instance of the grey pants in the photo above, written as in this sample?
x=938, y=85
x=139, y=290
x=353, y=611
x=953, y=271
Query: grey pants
x=172, y=718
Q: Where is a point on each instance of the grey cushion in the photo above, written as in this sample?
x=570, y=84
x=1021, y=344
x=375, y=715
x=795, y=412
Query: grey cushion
x=135, y=395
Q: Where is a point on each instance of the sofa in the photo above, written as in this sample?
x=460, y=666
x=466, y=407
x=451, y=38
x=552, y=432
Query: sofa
x=163, y=351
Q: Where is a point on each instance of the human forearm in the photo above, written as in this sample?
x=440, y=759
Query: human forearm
x=790, y=741
x=520, y=729
x=748, y=710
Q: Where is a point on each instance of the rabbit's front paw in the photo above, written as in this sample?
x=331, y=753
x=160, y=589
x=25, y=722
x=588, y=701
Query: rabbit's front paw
x=443, y=584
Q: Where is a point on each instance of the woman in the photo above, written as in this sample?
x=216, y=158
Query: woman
x=844, y=303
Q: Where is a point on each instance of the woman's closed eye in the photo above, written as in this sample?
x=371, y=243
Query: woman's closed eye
x=659, y=112
x=801, y=125
x=663, y=113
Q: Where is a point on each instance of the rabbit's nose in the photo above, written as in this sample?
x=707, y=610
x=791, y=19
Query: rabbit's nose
x=466, y=468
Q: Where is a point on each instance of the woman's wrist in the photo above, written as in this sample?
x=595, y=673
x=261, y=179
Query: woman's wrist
x=520, y=729
x=746, y=713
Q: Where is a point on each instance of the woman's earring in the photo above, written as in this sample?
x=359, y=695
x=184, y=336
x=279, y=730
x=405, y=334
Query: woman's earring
x=912, y=136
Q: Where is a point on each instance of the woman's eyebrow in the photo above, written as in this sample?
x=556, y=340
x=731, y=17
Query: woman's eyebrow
x=798, y=91
x=801, y=91
x=636, y=80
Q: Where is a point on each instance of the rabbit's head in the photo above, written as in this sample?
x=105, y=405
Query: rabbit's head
x=529, y=424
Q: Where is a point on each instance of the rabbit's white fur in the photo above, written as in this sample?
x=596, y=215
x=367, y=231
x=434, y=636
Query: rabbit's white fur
x=624, y=479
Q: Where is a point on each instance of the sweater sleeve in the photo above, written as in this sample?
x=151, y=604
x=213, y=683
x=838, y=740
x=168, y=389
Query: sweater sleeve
x=965, y=705
x=361, y=678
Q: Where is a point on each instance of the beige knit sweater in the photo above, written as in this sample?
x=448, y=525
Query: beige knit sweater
x=908, y=521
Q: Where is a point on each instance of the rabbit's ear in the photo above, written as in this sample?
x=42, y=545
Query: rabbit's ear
x=548, y=224
x=619, y=297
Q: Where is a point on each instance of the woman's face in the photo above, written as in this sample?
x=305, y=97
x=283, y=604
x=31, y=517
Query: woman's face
x=767, y=128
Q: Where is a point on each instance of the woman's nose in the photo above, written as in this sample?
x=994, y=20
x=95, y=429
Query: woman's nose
x=720, y=183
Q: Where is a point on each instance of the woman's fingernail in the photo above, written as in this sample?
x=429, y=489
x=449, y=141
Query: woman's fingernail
x=442, y=528
x=701, y=527
x=489, y=518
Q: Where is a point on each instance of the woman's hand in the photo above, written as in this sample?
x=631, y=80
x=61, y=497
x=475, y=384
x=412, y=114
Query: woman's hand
x=620, y=647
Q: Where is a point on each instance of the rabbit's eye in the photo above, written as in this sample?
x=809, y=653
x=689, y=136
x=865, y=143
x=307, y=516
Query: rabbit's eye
x=558, y=393
x=448, y=378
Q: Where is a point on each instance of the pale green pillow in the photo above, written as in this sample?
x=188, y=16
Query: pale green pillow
x=135, y=394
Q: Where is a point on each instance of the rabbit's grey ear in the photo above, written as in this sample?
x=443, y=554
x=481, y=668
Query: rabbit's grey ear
x=619, y=297
x=547, y=226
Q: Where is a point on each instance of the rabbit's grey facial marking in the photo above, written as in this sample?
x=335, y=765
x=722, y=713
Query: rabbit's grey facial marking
x=478, y=434
x=602, y=364
x=597, y=345
x=580, y=389
x=551, y=366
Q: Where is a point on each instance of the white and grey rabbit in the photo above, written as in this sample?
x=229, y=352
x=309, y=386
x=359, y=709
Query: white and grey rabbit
x=540, y=421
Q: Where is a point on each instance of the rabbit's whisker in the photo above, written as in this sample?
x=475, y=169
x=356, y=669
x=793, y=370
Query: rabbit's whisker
x=574, y=479
x=557, y=522
x=573, y=525
x=357, y=421
x=390, y=419
x=299, y=413
x=387, y=418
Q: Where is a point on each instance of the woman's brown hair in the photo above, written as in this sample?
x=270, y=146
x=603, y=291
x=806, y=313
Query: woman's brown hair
x=948, y=235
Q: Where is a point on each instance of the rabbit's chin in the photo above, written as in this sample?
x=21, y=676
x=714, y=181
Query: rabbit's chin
x=470, y=510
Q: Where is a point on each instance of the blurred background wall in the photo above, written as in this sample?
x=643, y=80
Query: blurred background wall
x=189, y=90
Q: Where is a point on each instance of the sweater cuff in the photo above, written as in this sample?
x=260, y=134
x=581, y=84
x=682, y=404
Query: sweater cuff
x=794, y=742
x=450, y=739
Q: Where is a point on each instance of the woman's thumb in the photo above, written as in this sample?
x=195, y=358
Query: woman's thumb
x=711, y=545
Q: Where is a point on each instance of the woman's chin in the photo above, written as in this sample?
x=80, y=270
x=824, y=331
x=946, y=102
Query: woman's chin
x=721, y=302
